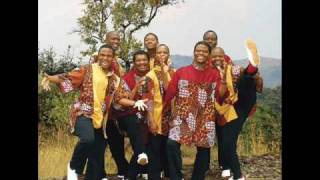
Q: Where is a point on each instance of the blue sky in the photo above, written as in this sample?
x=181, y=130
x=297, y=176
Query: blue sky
x=179, y=26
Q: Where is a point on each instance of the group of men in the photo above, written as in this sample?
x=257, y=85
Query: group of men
x=159, y=108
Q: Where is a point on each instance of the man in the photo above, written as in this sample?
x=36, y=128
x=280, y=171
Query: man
x=241, y=87
x=195, y=88
x=150, y=43
x=212, y=39
x=130, y=89
x=156, y=83
x=87, y=113
x=113, y=39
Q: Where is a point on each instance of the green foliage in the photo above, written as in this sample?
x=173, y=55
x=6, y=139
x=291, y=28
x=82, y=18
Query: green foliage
x=53, y=106
x=265, y=125
x=124, y=16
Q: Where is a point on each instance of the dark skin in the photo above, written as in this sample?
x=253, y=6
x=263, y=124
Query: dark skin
x=113, y=38
x=105, y=57
x=150, y=43
x=211, y=38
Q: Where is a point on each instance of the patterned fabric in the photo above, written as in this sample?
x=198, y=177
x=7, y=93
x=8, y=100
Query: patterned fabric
x=81, y=79
x=193, y=114
x=155, y=93
x=193, y=117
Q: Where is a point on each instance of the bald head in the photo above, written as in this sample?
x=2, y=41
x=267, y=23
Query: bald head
x=217, y=50
x=217, y=55
x=113, y=39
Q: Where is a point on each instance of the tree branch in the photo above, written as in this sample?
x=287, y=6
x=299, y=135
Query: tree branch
x=145, y=23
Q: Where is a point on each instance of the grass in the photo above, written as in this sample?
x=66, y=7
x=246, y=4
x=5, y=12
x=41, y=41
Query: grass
x=56, y=147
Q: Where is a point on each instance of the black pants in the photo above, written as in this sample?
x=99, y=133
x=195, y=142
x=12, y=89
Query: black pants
x=91, y=147
x=132, y=126
x=116, y=144
x=200, y=166
x=229, y=133
x=157, y=154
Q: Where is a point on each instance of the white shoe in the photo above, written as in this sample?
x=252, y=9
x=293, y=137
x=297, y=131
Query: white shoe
x=104, y=179
x=242, y=178
x=142, y=159
x=252, y=52
x=71, y=174
x=225, y=173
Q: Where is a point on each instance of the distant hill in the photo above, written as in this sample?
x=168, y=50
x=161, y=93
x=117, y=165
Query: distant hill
x=271, y=68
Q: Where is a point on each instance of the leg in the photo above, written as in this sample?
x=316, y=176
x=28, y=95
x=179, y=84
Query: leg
x=133, y=128
x=116, y=144
x=154, y=169
x=95, y=168
x=221, y=161
x=201, y=164
x=85, y=132
x=164, y=156
x=174, y=160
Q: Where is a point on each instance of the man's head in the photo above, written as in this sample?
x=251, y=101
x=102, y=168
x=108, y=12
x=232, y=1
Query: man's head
x=141, y=61
x=113, y=39
x=217, y=55
x=201, y=52
x=150, y=41
x=105, y=56
x=162, y=53
x=211, y=38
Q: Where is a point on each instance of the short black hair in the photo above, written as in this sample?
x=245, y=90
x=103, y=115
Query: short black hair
x=106, y=46
x=140, y=52
x=150, y=33
x=209, y=31
x=204, y=43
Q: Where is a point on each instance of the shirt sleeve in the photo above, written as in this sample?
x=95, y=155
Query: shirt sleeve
x=172, y=88
x=72, y=80
x=123, y=91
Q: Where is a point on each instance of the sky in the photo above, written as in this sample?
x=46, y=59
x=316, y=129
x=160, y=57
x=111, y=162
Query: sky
x=179, y=26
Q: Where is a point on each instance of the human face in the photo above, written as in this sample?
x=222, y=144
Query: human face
x=201, y=54
x=105, y=58
x=113, y=39
x=150, y=42
x=211, y=38
x=217, y=56
x=141, y=63
x=162, y=54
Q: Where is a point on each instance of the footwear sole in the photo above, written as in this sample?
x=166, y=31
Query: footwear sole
x=251, y=45
x=143, y=161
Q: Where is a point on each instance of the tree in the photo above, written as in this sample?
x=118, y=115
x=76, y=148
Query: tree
x=125, y=16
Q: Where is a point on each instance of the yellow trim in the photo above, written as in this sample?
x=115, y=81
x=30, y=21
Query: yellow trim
x=227, y=110
x=157, y=99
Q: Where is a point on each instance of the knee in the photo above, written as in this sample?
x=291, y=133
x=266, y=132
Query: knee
x=171, y=144
x=88, y=140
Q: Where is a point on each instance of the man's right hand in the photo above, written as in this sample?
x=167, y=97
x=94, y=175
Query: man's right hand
x=45, y=82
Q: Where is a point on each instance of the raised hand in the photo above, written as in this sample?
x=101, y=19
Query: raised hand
x=45, y=82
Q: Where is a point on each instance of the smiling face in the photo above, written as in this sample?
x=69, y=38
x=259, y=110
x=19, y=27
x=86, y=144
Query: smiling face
x=141, y=63
x=162, y=54
x=217, y=55
x=105, y=58
x=201, y=54
x=113, y=39
x=150, y=42
x=211, y=39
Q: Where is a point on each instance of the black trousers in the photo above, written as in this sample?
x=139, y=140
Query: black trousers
x=157, y=154
x=229, y=133
x=132, y=126
x=200, y=166
x=91, y=147
x=116, y=144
